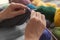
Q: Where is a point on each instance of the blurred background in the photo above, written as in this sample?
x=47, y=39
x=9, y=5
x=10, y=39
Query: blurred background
x=52, y=1
x=3, y=1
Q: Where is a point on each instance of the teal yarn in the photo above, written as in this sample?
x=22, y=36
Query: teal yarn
x=31, y=6
x=49, y=12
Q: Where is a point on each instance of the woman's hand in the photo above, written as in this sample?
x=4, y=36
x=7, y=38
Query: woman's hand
x=12, y=10
x=35, y=26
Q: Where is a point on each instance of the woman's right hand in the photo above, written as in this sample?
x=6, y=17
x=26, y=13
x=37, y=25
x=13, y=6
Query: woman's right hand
x=35, y=26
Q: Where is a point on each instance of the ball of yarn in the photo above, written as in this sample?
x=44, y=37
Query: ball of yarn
x=46, y=35
x=49, y=12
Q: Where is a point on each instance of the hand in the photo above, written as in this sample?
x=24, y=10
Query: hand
x=35, y=26
x=21, y=1
x=12, y=10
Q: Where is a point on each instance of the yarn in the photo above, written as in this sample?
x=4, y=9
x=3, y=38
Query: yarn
x=56, y=32
x=57, y=18
x=49, y=12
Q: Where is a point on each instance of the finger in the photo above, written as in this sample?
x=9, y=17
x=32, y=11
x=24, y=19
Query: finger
x=24, y=10
x=42, y=17
x=33, y=13
x=39, y=15
x=17, y=5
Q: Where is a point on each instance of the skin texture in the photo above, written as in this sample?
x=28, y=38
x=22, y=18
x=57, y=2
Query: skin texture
x=10, y=12
x=35, y=26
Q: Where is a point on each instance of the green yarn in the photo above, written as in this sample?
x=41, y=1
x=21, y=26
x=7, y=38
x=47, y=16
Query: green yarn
x=49, y=12
x=56, y=32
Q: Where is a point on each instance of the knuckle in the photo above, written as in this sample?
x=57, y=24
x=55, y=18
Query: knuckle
x=12, y=4
x=35, y=19
x=39, y=12
x=43, y=15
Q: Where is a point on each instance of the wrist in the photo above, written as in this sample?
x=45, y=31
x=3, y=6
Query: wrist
x=31, y=38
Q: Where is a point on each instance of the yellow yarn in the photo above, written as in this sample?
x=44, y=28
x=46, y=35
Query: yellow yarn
x=57, y=18
x=41, y=3
x=38, y=2
x=51, y=4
